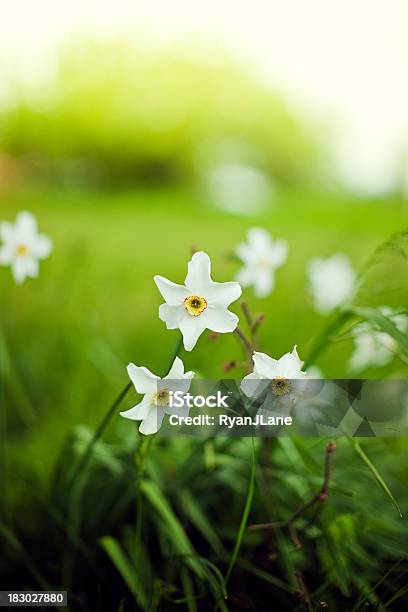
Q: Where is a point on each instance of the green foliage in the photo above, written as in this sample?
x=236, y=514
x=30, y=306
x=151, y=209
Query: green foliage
x=121, y=113
x=174, y=537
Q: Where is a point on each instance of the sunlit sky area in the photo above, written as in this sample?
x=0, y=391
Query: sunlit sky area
x=344, y=61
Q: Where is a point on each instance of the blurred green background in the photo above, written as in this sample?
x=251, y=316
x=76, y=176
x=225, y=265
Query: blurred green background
x=130, y=159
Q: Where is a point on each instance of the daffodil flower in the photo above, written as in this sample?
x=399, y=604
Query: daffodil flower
x=156, y=392
x=199, y=304
x=261, y=256
x=332, y=281
x=23, y=246
x=274, y=374
x=375, y=348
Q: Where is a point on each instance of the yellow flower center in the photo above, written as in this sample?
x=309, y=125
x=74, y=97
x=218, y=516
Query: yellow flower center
x=280, y=385
x=21, y=250
x=161, y=398
x=263, y=263
x=195, y=305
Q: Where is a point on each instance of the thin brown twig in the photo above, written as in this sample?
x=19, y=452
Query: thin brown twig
x=255, y=326
x=294, y=536
x=320, y=496
x=244, y=340
x=248, y=315
x=303, y=593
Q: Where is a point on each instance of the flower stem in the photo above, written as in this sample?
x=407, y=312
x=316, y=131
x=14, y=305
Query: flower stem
x=107, y=418
x=244, y=341
x=247, y=313
x=177, y=349
x=142, y=452
x=98, y=433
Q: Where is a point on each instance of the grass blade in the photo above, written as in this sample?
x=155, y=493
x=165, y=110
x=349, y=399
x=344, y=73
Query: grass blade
x=385, y=324
x=244, y=518
x=125, y=569
x=322, y=341
x=355, y=444
x=188, y=589
x=174, y=529
x=198, y=518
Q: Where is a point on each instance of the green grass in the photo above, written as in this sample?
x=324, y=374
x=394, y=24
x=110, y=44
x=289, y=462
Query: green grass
x=68, y=336
x=94, y=307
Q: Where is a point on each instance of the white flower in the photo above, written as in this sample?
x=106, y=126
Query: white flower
x=239, y=188
x=23, y=246
x=314, y=372
x=199, y=304
x=280, y=373
x=374, y=348
x=156, y=391
x=331, y=280
x=261, y=256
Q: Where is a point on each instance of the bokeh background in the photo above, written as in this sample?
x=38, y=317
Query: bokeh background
x=136, y=133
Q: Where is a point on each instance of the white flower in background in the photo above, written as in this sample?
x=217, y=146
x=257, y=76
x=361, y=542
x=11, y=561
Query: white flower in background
x=331, y=280
x=156, y=391
x=315, y=372
x=374, y=348
x=199, y=304
x=23, y=246
x=240, y=188
x=261, y=255
x=278, y=372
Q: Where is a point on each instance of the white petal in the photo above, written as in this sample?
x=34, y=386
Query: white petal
x=360, y=358
x=192, y=328
x=180, y=411
x=177, y=373
x=41, y=246
x=246, y=276
x=198, y=277
x=152, y=423
x=7, y=231
x=264, y=366
x=6, y=255
x=289, y=370
x=138, y=412
x=26, y=223
x=289, y=365
x=371, y=350
x=296, y=357
x=182, y=384
x=223, y=294
x=143, y=380
x=278, y=253
x=253, y=386
x=332, y=281
x=31, y=267
x=177, y=370
x=259, y=237
x=19, y=269
x=171, y=315
x=221, y=320
x=264, y=283
x=172, y=293
x=245, y=252
x=314, y=373
x=401, y=322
